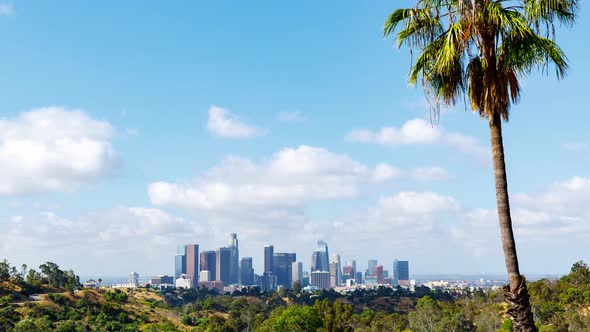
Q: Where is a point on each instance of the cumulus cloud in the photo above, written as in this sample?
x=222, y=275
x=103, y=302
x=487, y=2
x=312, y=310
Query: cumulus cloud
x=434, y=173
x=288, y=179
x=53, y=149
x=291, y=116
x=419, y=132
x=6, y=10
x=222, y=122
x=131, y=236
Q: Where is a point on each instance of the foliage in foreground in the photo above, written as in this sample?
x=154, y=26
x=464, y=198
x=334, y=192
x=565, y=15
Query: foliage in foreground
x=559, y=305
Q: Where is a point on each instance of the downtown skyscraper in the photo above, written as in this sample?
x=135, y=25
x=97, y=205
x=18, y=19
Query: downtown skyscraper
x=234, y=258
x=222, y=260
x=209, y=263
x=192, y=262
x=320, y=260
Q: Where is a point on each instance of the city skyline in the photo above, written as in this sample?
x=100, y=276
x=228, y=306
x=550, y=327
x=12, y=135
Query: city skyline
x=179, y=123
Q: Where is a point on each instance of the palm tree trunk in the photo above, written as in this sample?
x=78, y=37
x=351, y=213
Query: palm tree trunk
x=516, y=292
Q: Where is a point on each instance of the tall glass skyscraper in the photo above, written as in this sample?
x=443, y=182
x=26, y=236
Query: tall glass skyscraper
x=222, y=258
x=282, y=268
x=209, y=263
x=268, y=257
x=320, y=258
x=234, y=258
x=401, y=273
x=180, y=263
x=247, y=272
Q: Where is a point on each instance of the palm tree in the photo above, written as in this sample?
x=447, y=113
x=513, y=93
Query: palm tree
x=479, y=49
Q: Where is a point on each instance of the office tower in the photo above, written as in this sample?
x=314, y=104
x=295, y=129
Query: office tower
x=371, y=267
x=316, y=264
x=333, y=273
x=337, y=275
x=401, y=273
x=234, y=259
x=378, y=274
x=247, y=272
x=297, y=272
x=268, y=254
x=320, y=279
x=282, y=268
x=134, y=278
x=359, y=278
x=268, y=282
x=222, y=265
x=180, y=263
x=192, y=261
x=209, y=263
x=204, y=276
x=348, y=272
x=161, y=280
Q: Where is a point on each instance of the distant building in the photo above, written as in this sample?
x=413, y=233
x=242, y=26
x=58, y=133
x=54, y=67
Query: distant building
x=268, y=258
x=320, y=259
x=204, y=276
x=180, y=263
x=209, y=263
x=223, y=261
x=185, y=281
x=90, y=284
x=297, y=272
x=348, y=272
x=217, y=284
x=320, y=279
x=192, y=261
x=401, y=273
x=134, y=278
x=246, y=272
x=161, y=280
x=337, y=275
x=268, y=282
x=378, y=274
x=282, y=268
x=334, y=275
x=370, y=267
x=359, y=278
x=234, y=258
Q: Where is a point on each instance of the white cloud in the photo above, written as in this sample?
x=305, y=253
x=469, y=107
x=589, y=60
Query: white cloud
x=434, y=173
x=134, y=237
x=53, y=149
x=223, y=123
x=418, y=131
x=384, y=172
x=288, y=179
x=6, y=10
x=291, y=116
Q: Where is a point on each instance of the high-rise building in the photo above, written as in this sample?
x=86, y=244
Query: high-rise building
x=378, y=274
x=134, y=278
x=180, y=263
x=333, y=274
x=401, y=273
x=297, y=272
x=192, y=261
x=282, y=268
x=320, y=279
x=234, y=258
x=337, y=273
x=204, y=276
x=268, y=258
x=359, y=278
x=371, y=267
x=348, y=272
x=320, y=258
x=222, y=265
x=209, y=263
x=247, y=272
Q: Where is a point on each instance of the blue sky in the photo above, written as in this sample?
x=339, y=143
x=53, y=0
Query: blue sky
x=181, y=114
